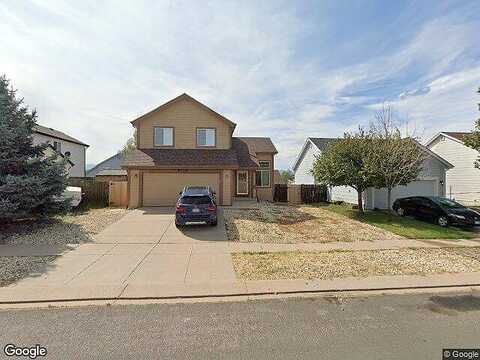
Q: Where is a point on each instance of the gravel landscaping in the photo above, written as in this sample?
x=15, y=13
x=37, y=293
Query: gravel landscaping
x=13, y=268
x=339, y=264
x=303, y=224
x=74, y=228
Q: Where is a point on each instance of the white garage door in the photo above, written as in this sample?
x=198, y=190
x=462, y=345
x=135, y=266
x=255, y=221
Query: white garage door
x=415, y=188
x=161, y=189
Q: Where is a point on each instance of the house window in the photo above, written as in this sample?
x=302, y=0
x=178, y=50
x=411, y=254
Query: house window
x=163, y=136
x=206, y=137
x=57, y=145
x=262, y=175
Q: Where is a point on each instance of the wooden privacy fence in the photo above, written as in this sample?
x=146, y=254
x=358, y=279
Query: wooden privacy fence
x=118, y=193
x=280, y=193
x=313, y=193
x=92, y=192
x=306, y=194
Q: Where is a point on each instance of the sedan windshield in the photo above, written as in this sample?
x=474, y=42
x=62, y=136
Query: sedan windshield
x=447, y=203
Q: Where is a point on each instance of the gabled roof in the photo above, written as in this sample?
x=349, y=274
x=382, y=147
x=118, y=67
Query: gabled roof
x=182, y=158
x=182, y=97
x=260, y=144
x=434, y=155
x=112, y=163
x=56, y=134
x=453, y=135
x=320, y=143
x=457, y=135
x=241, y=155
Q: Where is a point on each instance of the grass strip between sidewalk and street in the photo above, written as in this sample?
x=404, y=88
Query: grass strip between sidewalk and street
x=403, y=226
x=340, y=264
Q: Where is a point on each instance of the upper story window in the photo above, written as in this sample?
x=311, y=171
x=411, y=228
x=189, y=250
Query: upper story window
x=206, y=137
x=163, y=136
x=262, y=175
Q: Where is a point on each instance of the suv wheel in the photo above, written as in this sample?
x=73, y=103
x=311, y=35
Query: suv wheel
x=400, y=212
x=442, y=221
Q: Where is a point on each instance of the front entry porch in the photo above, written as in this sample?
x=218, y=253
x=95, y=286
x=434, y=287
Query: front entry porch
x=244, y=184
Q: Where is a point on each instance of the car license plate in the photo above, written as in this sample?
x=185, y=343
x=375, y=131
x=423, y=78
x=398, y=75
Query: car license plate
x=196, y=210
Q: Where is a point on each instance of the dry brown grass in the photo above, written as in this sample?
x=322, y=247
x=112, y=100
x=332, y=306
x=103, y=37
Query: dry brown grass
x=339, y=264
x=304, y=224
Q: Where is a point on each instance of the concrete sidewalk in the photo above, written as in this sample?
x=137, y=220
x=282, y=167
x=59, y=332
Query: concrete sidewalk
x=12, y=295
x=144, y=256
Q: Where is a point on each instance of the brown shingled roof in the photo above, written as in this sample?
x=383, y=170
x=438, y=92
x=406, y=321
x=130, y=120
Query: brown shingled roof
x=191, y=158
x=457, y=135
x=260, y=144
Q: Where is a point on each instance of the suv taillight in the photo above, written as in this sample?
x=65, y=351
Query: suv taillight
x=211, y=208
x=180, y=209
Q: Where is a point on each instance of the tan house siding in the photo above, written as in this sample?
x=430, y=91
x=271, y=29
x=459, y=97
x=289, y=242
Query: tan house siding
x=185, y=117
x=133, y=188
x=172, y=182
x=227, y=186
x=266, y=193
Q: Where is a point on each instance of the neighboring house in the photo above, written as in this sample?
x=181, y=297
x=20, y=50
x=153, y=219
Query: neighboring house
x=183, y=142
x=109, y=169
x=431, y=181
x=64, y=144
x=463, y=181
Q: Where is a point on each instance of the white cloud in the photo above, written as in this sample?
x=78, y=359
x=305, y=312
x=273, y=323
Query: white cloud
x=89, y=68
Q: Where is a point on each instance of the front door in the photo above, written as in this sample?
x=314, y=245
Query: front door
x=242, y=182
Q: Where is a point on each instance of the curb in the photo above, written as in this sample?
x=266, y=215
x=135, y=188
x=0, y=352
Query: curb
x=239, y=295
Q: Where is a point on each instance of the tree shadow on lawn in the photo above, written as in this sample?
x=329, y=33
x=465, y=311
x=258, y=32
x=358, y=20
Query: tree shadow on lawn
x=45, y=238
x=280, y=215
x=277, y=214
x=16, y=268
x=45, y=231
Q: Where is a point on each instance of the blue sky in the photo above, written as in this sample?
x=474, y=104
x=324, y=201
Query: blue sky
x=282, y=69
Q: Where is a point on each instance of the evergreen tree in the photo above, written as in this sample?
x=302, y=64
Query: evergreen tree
x=31, y=184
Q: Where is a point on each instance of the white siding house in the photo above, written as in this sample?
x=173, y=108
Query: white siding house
x=462, y=181
x=66, y=145
x=430, y=182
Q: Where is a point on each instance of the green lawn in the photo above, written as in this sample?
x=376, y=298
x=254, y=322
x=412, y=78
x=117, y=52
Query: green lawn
x=403, y=226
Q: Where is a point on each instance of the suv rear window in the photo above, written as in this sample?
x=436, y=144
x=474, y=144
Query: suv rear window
x=196, y=200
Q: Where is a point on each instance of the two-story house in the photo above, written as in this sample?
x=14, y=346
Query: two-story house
x=183, y=142
x=65, y=145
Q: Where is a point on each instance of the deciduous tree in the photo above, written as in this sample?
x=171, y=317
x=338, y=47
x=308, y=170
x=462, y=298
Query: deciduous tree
x=392, y=159
x=343, y=163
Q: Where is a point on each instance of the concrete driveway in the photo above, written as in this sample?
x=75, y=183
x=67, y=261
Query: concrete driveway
x=142, y=249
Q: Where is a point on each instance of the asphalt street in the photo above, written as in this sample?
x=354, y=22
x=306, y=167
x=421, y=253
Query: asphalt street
x=377, y=327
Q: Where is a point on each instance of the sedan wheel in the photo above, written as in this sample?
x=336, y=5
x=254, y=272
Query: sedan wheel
x=400, y=212
x=442, y=221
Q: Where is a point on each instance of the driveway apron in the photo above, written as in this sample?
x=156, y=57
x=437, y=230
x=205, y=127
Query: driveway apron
x=142, y=249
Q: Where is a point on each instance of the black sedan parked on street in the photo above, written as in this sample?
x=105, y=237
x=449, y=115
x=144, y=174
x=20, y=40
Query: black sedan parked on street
x=440, y=210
